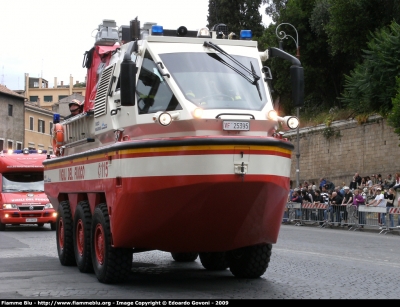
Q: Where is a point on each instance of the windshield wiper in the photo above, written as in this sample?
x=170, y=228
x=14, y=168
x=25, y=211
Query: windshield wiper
x=252, y=72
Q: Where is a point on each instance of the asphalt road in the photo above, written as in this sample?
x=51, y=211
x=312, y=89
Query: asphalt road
x=306, y=263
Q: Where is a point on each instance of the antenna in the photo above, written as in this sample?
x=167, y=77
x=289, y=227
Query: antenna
x=41, y=73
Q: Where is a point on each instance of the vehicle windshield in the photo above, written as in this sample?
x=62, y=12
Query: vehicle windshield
x=213, y=82
x=23, y=182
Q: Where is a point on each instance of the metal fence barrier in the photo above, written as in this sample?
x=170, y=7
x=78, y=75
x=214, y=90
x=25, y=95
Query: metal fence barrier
x=385, y=219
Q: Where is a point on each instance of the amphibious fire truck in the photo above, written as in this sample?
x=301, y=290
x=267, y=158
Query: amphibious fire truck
x=22, y=198
x=178, y=149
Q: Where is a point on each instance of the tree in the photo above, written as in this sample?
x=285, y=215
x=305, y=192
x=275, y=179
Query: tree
x=394, y=115
x=371, y=86
x=274, y=7
x=236, y=15
x=351, y=21
x=80, y=84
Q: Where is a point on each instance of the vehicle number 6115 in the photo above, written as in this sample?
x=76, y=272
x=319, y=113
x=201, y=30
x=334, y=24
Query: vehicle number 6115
x=102, y=169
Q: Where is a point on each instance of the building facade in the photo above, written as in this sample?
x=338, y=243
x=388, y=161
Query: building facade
x=38, y=127
x=37, y=90
x=12, y=124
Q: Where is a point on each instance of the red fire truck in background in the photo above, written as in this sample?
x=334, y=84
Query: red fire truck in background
x=22, y=198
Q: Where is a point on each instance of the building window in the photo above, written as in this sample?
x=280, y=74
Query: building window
x=33, y=98
x=10, y=110
x=1, y=145
x=40, y=125
x=48, y=98
x=19, y=146
x=51, y=128
x=35, y=84
x=62, y=97
x=31, y=123
x=10, y=145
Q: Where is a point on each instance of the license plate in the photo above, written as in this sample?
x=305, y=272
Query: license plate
x=31, y=220
x=236, y=125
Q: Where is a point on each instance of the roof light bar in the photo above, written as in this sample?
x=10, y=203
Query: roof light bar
x=246, y=34
x=157, y=30
x=24, y=151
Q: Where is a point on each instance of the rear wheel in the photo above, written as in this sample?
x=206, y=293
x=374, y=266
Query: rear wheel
x=82, y=229
x=111, y=265
x=64, y=235
x=184, y=257
x=214, y=261
x=250, y=261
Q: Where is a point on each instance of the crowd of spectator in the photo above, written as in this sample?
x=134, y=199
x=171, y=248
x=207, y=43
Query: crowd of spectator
x=344, y=200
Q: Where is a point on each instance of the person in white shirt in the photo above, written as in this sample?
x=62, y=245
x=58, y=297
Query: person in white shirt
x=379, y=198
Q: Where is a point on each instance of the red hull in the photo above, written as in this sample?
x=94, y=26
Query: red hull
x=206, y=215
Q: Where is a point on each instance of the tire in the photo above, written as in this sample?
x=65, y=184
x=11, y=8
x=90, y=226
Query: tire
x=250, y=261
x=64, y=235
x=2, y=226
x=184, y=257
x=40, y=224
x=214, y=261
x=82, y=231
x=111, y=265
x=53, y=226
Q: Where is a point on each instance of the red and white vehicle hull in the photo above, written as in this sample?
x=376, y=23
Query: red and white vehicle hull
x=184, y=194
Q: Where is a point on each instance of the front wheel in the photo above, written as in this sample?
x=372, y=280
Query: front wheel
x=111, y=265
x=184, y=257
x=214, y=261
x=2, y=226
x=82, y=225
x=250, y=261
x=65, y=245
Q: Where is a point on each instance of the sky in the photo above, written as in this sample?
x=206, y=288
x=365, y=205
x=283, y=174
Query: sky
x=48, y=38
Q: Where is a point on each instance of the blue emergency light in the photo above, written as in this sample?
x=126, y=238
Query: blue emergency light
x=246, y=34
x=157, y=30
x=56, y=118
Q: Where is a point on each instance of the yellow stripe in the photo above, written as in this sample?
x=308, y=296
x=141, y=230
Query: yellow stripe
x=205, y=148
x=174, y=148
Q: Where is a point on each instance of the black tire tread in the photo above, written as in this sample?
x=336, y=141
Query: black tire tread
x=66, y=257
x=253, y=261
x=84, y=263
x=214, y=261
x=118, y=261
x=184, y=257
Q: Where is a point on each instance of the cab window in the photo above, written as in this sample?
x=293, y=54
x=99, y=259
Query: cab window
x=153, y=93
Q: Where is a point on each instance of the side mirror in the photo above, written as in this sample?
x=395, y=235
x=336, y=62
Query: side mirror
x=297, y=79
x=128, y=78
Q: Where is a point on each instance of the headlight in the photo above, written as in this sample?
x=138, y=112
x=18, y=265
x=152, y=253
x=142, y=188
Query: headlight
x=272, y=115
x=48, y=206
x=292, y=122
x=10, y=206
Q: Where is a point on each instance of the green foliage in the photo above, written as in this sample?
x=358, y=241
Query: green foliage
x=80, y=84
x=351, y=21
x=320, y=16
x=236, y=15
x=274, y=7
x=394, y=116
x=371, y=85
x=328, y=132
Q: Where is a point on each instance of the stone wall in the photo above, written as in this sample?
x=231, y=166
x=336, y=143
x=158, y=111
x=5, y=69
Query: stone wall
x=370, y=148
